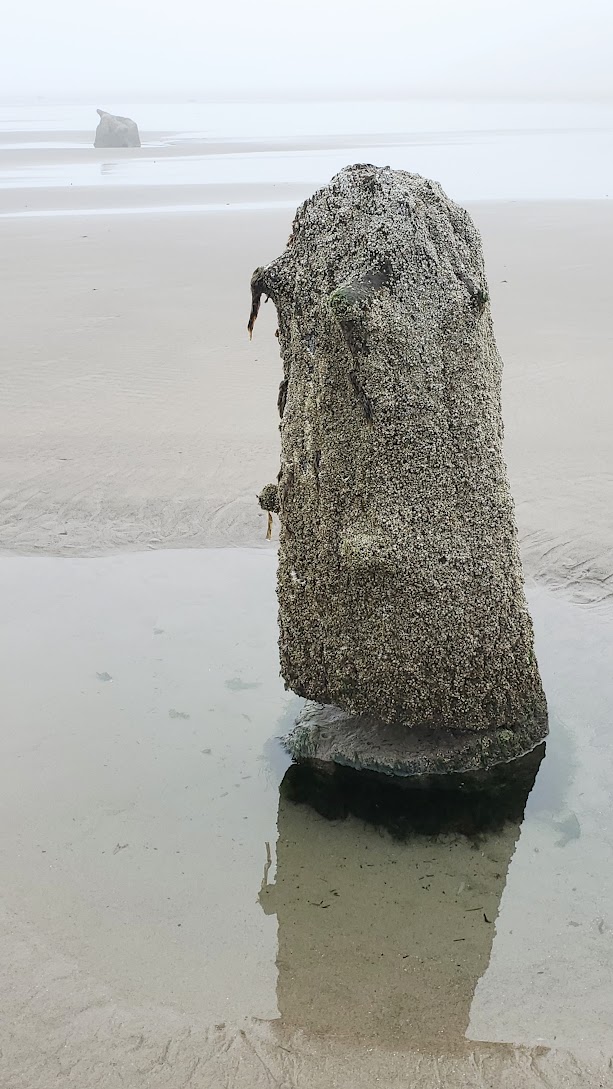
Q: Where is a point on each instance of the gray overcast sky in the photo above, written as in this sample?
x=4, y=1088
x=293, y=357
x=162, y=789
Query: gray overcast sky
x=156, y=49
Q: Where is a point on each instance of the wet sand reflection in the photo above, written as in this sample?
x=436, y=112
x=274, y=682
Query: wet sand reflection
x=386, y=899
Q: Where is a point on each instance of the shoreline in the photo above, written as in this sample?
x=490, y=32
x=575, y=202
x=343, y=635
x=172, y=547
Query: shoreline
x=245, y=198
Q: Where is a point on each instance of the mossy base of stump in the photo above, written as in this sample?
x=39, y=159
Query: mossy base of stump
x=324, y=734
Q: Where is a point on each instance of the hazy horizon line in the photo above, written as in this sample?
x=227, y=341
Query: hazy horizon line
x=332, y=95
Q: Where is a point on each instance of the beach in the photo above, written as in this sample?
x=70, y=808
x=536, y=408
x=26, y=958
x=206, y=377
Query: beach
x=168, y=918
x=148, y=419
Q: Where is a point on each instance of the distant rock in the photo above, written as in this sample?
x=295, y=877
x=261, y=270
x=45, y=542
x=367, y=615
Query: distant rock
x=115, y=131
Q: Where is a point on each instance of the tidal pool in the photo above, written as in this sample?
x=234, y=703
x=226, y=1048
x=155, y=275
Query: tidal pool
x=175, y=914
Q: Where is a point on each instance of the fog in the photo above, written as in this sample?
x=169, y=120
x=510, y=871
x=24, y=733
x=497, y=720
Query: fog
x=155, y=50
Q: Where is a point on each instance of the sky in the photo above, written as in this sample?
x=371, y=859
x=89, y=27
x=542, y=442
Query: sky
x=157, y=50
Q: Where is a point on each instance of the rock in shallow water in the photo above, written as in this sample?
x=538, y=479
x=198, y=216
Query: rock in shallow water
x=116, y=131
x=400, y=585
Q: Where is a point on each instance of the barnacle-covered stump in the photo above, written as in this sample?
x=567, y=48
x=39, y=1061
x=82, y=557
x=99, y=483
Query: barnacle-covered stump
x=401, y=602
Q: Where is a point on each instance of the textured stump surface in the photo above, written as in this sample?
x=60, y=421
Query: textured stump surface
x=400, y=583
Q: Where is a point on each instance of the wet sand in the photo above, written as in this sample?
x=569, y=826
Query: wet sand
x=148, y=937
x=136, y=414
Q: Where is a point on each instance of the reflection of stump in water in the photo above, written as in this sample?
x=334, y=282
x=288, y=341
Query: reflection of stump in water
x=384, y=937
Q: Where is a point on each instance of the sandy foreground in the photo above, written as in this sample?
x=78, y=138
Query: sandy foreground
x=135, y=413
x=168, y=919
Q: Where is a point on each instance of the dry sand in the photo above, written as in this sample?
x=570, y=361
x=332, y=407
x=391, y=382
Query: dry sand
x=135, y=413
